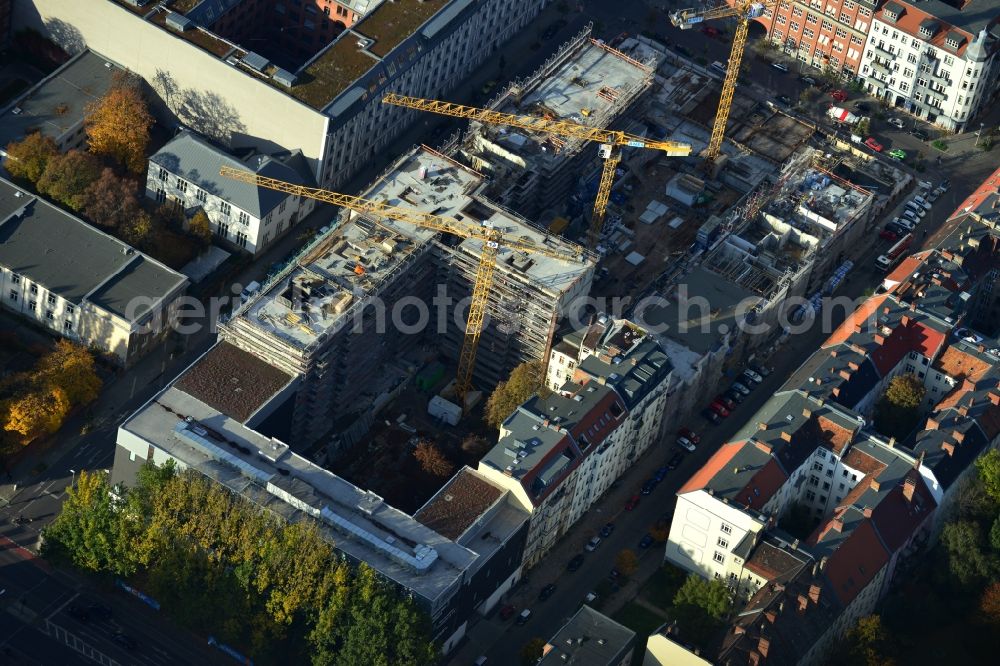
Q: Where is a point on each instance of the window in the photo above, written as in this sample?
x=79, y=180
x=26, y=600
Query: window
x=13, y=295
x=163, y=175
x=68, y=326
x=244, y=219
x=797, y=12
x=829, y=473
x=719, y=557
x=15, y=278
x=844, y=473
x=182, y=185
x=32, y=305
x=810, y=495
x=794, y=27
x=827, y=25
x=723, y=543
x=33, y=289
x=826, y=486
x=817, y=466
x=840, y=486
x=50, y=315
x=726, y=529
x=70, y=309
x=807, y=32
x=822, y=498
x=241, y=238
x=225, y=208
x=281, y=208
x=52, y=299
x=201, y=195
x=841, y=33
x=161, y=196
x=813, y=480
x=782, y=20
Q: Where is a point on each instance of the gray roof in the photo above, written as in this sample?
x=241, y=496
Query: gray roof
x=198, y=161
x=973, y=17
x=70, y=258
x=58, y=102
x=590, y=638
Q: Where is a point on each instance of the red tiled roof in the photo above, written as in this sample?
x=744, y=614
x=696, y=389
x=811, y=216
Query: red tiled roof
x=864, y=463
x=915, y=336
x=989, y=421
x=961, y=365
x=863, y=313
x=762, y=486
x=906, y=268
x=910, y=22
x=854, y=564
x=837, y=435
x=708, y=471
x=951, y=400
x=592, y=419
x=897, y=518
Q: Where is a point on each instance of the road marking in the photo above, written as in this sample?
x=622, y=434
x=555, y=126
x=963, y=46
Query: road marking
x=74, y=642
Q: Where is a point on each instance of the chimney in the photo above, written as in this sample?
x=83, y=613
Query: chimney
x=885, y=310
x=806, y=413
x=867, y=511
x=904, y=320
x=909, y=486
x=968, y=385
x=771, y=616
x=853, y=365
x=892, y=442
x=739, y=630
x=879, y=339
x=833, y=353
x=822, y=562
x=932, y=424
x=948, y=448
x=958, y=436
x=963, y=410
x=785, y=435
x=981, y=347
x=814, y=593
x=803, y=603
x=763, y=645
x=874, y=485
x=994, y=398
x=766, y=448
x=857, y=328
x=837, y=524
x=845, y=374
x=835, y=392
x=913, y=307
x=753, y=658
x=761, y=426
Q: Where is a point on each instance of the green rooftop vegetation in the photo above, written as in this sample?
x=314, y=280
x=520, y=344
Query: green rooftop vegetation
x=392, y=22
x=196, y=36
x=330, y=74
x=183, y=6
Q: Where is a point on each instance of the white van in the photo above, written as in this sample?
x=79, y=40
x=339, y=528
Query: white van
x=883, y=262
x=916, y=208
x=249, y=291
x=719, y=67
x=923, y=202
x=780, y=66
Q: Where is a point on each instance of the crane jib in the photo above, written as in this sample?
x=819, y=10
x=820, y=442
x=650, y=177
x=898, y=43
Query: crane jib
x=636, y=144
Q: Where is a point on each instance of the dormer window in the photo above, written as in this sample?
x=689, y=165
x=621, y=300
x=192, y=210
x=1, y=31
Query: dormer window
x=928, y=28
x=953, y=40
x=892, y=12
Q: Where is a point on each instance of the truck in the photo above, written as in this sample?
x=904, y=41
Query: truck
x=895, y=254
x=842, y=115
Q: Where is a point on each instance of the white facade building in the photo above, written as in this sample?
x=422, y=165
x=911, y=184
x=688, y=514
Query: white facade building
x=247, y=217
x=933, y=60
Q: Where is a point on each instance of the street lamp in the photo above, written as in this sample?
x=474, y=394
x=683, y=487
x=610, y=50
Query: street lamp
x=979, y=133
x=73, y=480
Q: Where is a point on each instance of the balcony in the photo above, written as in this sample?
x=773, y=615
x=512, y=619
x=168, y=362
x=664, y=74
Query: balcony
x=884, y=49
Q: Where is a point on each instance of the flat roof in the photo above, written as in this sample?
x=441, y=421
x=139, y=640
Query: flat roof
x=75, y=261
x=392, y=22
x=455, y=507
x=59, y=101
x=265, y=471
x=356, y=259
x=589, y=637
x=333, y=70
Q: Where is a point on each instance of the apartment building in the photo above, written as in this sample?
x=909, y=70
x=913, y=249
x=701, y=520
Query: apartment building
x=590, y=638
x=57, y=105
x=936, y=60
x=242, y=216
x=457, y=555
x=254, y=94
x=826, y=34
x=559, y=454
x=585, y=82
x=336, y=316
x=64, y=275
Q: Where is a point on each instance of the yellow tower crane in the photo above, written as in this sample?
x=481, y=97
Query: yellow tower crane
x=610, y=140
x=746, y=10
x=492, y=240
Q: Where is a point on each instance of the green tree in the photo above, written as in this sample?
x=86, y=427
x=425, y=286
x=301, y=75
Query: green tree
x=532, y=651
x=968, y=560
x=988, y=467
x=85, y=531
x=27, y=158
x=67, y=177
x=897, y=412
x=200, y=227
x=524, y=381
x=709, y=595
x=995, y=534
x=110, y=201
x=868, y=642
x=626, y=562
x=118, y=124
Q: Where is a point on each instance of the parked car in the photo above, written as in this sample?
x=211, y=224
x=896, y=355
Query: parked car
x=614, y=574
x=808, y=80
x=675, y=460
x=592, y=544
x=632, y=502
x=873, y=144
x=710, y=415
x=507, y=612
x=888, y=235
x=734, y=395
x=780, y=66
x=661, y=473
x=742, y=388
x=784, y=100
x=719, y=409
x=760, y=370
x=607, y=530
x=896, y=228
x=897, y=154
x=523, y=617
x=922, y=202
x=723, y=400
x=685, y=443
x=896, y=122
x=934, y=195
x=648, y=487
x=690, y=434
x=907, y=224
x=575, y=562
x=757, y=379
x=863, y=107
x=919, y=134
x=646, y=541
x=546, y=592
x=908, y=214
x=838, y=95
x=945, y=184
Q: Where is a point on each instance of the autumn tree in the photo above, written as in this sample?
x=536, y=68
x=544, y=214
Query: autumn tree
x=532, y=651
x=70, y=367
x=200, y=227
x=989, y=604
x=626, y=562
x=432, y=460
x=118, y=124
x=27, y=158
x=524, y=381
x=38, y=412
x=898, y=410
x=868, y=642
x=68, y=176
x=111, y=201
x=138, y=231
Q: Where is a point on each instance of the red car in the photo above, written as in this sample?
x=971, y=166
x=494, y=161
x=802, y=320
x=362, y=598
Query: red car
x=719, y=409
x=632, y=503
x=873, y=144
x=690, y=434
x=885, y=234
x=507, y=612
x=725, y=402
x=838, y=95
